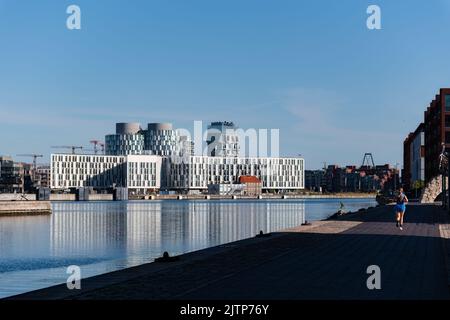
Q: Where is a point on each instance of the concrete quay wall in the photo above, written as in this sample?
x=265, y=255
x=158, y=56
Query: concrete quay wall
x=24, y=207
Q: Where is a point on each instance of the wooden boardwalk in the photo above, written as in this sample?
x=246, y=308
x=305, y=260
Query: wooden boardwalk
x=327, y=260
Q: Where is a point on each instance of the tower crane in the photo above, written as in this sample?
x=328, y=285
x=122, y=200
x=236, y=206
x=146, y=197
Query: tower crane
x=34, y=156
x=73, y=148
x=98, y=143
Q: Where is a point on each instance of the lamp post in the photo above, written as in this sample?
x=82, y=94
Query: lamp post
x=444, y=170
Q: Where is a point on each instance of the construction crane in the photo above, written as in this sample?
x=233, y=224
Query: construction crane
x=368, y=165
x=368, y=158
x=98, y=143
x=73, y=148
x=95, y=151
x=34, y=156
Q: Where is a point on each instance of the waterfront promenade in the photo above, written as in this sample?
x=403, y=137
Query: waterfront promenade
x=326, y=260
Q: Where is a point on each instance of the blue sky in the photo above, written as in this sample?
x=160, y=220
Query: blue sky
x=310, y=68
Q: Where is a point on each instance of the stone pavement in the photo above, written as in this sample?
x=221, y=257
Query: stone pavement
x=327, y=260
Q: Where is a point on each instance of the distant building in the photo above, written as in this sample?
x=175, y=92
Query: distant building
x=42, y=175
x=139, y=173
x=413, y=173
x=187, y=146
x=198, y=172
x=127, y=140
x=315, y=180
x=352, y=179
x=406, y=172
x=222, y=139
x=10, y=175
x=418, y=155
x=195, y=173
x=253, y=185
x=335, y=178
x=158, y=139
x=159, y=157
x=226, y=189
x=162, y=140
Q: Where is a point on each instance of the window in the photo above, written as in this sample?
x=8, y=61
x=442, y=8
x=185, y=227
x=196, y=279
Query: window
x=447, y=137
x=447, y=121
x=447, y=102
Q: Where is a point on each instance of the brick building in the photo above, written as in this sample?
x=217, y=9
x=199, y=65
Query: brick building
x=253, y=185
x=437, y=131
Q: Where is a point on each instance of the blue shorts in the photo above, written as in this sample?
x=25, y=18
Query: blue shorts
x=400, y=207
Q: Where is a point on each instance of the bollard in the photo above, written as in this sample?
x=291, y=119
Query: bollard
x=261, y=234
x=167, y=258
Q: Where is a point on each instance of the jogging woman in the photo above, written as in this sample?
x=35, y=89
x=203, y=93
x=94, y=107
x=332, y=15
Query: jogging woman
x=400, y=208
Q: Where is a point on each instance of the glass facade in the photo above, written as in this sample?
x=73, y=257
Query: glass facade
x=162, y=142
x=124, y=144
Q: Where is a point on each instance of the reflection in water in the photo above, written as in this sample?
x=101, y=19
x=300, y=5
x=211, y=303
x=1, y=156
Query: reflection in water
x=128, y=229
x=106, y=236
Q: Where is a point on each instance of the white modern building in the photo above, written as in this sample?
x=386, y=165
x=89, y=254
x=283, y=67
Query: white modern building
x=188, y=174
x=128, y=139
x=162, y=140
x=187, y=146
x=222, y=139
x=161, y=158
x=143, y=172
x=199, y=171
x=158, y=139
x=418, y=156
x=135, y=172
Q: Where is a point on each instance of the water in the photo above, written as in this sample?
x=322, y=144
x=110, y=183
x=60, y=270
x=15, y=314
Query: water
x=105, y=236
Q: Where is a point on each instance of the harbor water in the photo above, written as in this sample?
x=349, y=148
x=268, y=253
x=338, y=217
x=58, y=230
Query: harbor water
x=100, y=237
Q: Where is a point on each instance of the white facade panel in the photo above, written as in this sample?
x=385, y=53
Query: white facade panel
x=74, y=171
x=143, y=172
x=200, y=171
x=417, y=158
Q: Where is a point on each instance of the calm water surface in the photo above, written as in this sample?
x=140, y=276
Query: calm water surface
x=106, y=236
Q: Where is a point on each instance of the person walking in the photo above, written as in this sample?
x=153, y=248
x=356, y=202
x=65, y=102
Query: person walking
x=400, y=207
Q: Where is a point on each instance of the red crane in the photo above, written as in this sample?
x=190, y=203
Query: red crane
x=98, y=143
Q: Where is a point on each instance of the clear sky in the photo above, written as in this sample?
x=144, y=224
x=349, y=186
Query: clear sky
x=334, y=88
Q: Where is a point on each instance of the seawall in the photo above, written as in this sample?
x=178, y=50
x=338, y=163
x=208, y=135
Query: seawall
x=24, y=207
x=263, y=196
x=17, y=196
